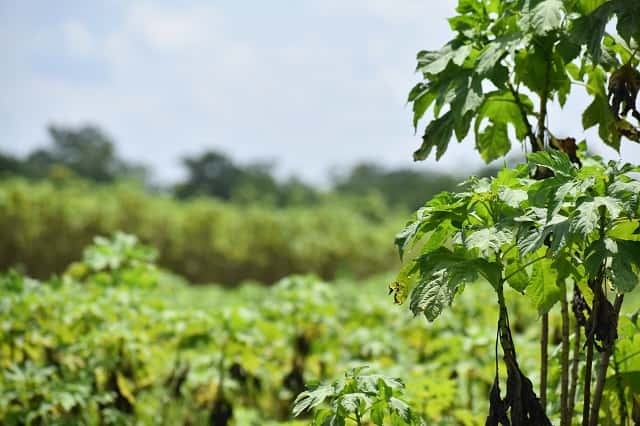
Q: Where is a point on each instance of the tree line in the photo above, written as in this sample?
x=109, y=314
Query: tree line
x=89, y=153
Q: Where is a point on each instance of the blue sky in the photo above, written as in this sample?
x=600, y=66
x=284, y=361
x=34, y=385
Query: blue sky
x=309, y=85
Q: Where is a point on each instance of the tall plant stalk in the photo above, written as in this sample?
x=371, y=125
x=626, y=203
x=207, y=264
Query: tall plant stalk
x=544, y=359
x=601, y=375
x=575, y=365
x=565, y=418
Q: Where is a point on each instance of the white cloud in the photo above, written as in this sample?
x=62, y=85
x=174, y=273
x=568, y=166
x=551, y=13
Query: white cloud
x=394, y=11
x=78, y=39
x=174, y=28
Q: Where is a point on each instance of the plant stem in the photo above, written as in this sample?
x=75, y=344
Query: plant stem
x=537, y=144
x=509, y=356
x=596, y=288
x=602, y=369
x=544, y=96
x=564, y=369
x=620, y=389
x=544, y=359
x=523, y=112
x=358, y=419
x=574, y=369
x=588, y=364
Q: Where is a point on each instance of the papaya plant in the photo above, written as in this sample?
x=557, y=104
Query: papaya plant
x=118, y=260
x=563, y=220
x=360, y=397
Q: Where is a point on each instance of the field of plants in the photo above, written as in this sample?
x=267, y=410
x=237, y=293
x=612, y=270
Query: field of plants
x=116, y=340
x=46, y=225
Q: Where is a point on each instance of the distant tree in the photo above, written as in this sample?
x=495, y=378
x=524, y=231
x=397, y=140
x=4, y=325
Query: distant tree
x=10, y=165
x=211, y=173
x=295, y=192
x=86, y=152
x=256, y=183
x=400, y=187
x=214, y=174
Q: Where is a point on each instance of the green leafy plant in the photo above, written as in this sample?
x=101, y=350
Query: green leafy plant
x=567, y=220
x=358, y=397
x=119, y=260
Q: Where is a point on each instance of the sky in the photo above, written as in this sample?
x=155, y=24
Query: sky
x=311, y=86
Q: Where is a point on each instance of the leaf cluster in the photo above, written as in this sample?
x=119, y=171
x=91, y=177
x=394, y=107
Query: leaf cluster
x=507, y=54
x=530, y=234
x=121, y=259
x=359, y=397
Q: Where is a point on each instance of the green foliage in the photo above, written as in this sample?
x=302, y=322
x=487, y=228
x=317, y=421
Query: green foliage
x=476, y=230
x=506, y=53
x=120, y=260
x=539, y=237
x=358, y=397
x=544, y=227
x=77, y=351
x=44, y=228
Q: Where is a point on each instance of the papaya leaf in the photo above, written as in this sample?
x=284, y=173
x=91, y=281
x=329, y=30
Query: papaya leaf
x=625, y=230
x=431, y=296
x=545, y=17
x=422, y=97
x=543, y=290
x=625, y=266
x=586, y=217
x=434, y=62
x=488, y=241
x=555, y=160
x=501, y=107
x=312, y=398
x=493, y=142
x=437, y=134
x=512, y=197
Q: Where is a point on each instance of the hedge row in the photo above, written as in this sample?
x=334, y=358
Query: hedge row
x=44, y=227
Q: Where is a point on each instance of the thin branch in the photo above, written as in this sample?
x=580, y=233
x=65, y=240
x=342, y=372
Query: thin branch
x=627, y=358
x=523, y=112
x=593, y=323
x=504, y=253
x=544, y=97
x=587, y=372
x=574, y=369
x=596, y=287
x=524, y=266
x=620, y=390
x=633, y=55
x=578, y=83
x=544, y=359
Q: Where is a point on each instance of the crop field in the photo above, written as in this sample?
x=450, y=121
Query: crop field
x=138, y=346
x=115, y=340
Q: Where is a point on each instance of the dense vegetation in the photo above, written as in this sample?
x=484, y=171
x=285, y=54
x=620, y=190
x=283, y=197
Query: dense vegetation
x=44, y=228
x=115, y=339
x=564, y=226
